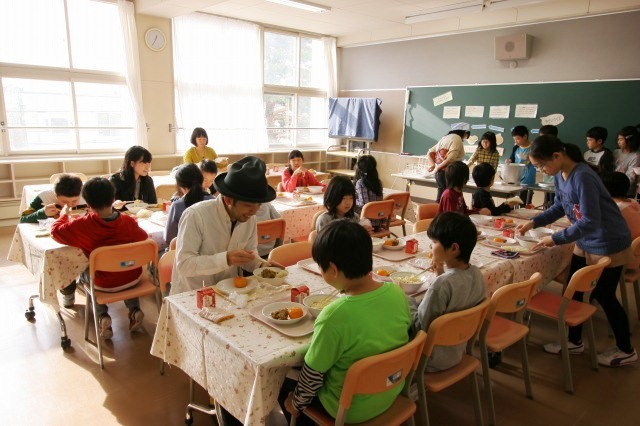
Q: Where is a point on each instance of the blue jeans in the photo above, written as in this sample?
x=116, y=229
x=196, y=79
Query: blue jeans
x=103, y=309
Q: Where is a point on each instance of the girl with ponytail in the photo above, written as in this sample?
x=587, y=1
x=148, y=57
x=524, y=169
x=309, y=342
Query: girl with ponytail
x=189, y=186
x=597, y=228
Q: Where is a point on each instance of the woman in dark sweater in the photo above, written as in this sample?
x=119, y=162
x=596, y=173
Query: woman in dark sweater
x=597, y=228
x=132, y=182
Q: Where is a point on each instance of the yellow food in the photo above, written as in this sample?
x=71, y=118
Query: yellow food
x=499, y=240
x=295, y=312
x=430, y=254
x=508, y=221
x=240, y=282
x=391, y=242
x=382, y=272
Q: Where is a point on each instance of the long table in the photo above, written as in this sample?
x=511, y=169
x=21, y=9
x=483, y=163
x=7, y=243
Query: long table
x=498, y=190
x=242, y=363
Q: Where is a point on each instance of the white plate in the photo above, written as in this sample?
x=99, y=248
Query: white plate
x=400, y=246
x=546, y=185
x=526, y=213
x=381, y=278
x=271, y=307
x=508, y=242
x=228, y=287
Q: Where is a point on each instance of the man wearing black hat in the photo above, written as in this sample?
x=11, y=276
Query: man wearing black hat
x=217, y=238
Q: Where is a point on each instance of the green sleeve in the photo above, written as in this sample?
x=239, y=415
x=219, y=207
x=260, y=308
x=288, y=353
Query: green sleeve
x=34, y=212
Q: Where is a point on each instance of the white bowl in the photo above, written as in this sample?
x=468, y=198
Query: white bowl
x=135, y=208
x=272, y=281
x=310, y=300
x=383, y=278
x=540, y=233
x=315, y=189
x=480, y=219
x=272, y=307
x=408, y=287
x=400, y=245
x=527, y=242
x=507, y=242
x=377, y=243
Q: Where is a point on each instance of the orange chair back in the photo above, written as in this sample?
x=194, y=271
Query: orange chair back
x=421, y=225
x=165, y=191
x=427, y=211
x=401, y=201
x=165, y=268
x=512, y=298
x=455, y=328
x=173, y=243
x=378, y=210
x=585, y=279
x=271, y=230
x=315, y=219
x=371, y=375
x=635, y=250
x=279, y=187
x=123, y=257
x=290, y=254
x=312, y=236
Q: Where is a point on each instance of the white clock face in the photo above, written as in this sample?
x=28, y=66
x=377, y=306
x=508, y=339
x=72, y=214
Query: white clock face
x=155, y=40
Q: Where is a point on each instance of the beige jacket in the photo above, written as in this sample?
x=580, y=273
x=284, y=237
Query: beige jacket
x=451, y=146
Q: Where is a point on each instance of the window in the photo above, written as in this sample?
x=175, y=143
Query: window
x=294, y=90
x=62, y=85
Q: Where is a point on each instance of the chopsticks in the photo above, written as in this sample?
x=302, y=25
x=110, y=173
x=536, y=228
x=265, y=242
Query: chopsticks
x=330, y=296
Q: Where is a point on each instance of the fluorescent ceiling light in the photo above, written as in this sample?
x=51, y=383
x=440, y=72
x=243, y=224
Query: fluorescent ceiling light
x=503, y=4
x=452, y=10
x=305, y=5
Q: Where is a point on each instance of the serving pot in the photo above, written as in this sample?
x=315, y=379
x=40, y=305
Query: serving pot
x=512, y=173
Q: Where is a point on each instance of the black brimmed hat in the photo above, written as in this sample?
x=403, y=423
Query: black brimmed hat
x=246, y=180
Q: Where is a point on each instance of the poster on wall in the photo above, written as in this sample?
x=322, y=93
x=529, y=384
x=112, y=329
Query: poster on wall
x=442, y=99
x=451, y=112
x=526, y=111
x=499, y=111
x=476, y=111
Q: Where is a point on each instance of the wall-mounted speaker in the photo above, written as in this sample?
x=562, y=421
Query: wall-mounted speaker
x=513, y=47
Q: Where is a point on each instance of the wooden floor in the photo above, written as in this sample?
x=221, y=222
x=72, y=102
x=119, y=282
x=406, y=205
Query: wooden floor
x=42, y=385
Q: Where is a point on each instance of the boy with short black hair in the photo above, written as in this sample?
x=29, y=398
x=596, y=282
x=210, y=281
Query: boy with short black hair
x=598, y=156
x=102, y=226
x=520, y=155
x=461, y=286
x=548, y=130
x=66, y=192
x=371, y=318
x=483, y=175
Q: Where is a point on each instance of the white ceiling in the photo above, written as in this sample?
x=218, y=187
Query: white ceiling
x=356, y=22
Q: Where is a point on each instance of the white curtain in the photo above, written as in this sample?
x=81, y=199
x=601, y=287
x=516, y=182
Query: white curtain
x=134, y=82
x=218, y=81
x=330, y=56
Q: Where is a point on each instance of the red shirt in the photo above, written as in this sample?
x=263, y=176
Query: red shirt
x=91, y=231
x=453, y=201
x=291, y=182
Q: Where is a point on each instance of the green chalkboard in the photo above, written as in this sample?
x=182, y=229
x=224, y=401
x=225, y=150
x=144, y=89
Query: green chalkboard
x=610, y=104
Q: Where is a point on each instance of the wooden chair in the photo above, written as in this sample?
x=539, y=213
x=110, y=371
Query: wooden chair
x=312, y=236
x=290, y=254
x=372, y=375
x=165, y=268
x=401, y=200
x=449, y=330
x=421, y=225
x=271, y=231
x=568, y=312
x=379, y=210
x=427, y=211
x=498, y=332
x=313, y=228
x=55, y=176
x=120, y=258
x=165, y=191
x=631, y=274
x=173, y=243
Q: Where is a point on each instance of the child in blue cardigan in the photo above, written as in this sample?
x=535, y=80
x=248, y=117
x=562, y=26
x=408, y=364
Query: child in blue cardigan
x=597, y=228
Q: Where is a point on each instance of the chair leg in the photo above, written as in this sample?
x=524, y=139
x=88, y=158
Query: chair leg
x=592, y=344
x=624, y=296
x=566, y=362
x=404, y=230
x=476, y=399
x=422, y=413
x=525, y=369
x=97, y=323
x=86, y=316
x=484, y=357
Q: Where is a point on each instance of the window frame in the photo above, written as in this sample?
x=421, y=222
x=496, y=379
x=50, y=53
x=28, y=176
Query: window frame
x=48, y=73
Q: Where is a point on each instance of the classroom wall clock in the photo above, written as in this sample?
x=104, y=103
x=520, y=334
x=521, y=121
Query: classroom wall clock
x=155, y=39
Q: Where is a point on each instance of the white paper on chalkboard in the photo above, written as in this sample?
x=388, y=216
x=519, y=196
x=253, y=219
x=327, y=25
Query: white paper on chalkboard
x=500, y=150
x=451, y=112
x=474, y=111
x=553, y=119
x=478, y=126
x=442, y=99
x=526, y=111
x=496, y=129
x=499, y=111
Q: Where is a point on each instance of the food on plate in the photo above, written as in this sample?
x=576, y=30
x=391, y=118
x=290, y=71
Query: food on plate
x=323, y=303
x=309, y=198
x=530, y=206
x=499, y=240
x=268, y=273
x=295, y=312
x=430, y=254
x=508, y=220
x=280, y=314
x=280, y=194
x=240, y=282
x=411, y=279
x=392, y=242
x=382, y=272
x=517, y=249
x=144, y=213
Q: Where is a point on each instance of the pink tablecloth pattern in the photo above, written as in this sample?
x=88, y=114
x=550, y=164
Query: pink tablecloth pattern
x=55, y=265
x=298, y=218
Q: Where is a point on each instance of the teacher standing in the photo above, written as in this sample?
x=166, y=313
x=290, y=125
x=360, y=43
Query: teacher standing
x=199, y=151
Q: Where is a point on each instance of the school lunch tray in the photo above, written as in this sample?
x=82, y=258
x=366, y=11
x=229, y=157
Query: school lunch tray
x=300, y=329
